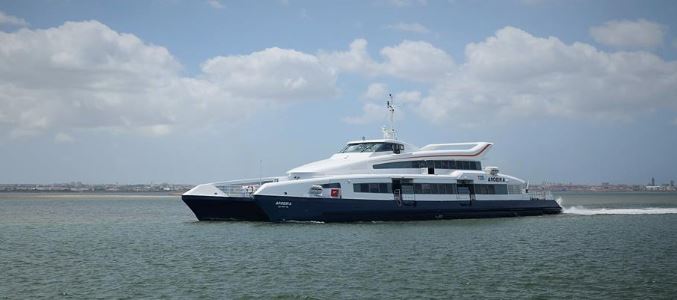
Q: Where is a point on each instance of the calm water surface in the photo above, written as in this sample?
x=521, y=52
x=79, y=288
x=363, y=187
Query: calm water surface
x=105, y=246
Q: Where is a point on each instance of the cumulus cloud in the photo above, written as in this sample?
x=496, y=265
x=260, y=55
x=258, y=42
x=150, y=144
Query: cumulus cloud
x=409, y=27
x=515, y=74
x=371, y=112
x=81, y=75
x=405, y=3
x=84, y=75
x=374, y=110
x=215, y=4
x=413, y=60
x=6, y=19
x=533, y=2
x=63, y=138
x=376, y=91
x=272, y=73
x=629, y=34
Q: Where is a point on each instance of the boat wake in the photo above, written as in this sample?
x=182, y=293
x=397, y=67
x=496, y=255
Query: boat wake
x=580, y=210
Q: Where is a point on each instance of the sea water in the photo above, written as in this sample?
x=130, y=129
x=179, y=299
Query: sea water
x=604, y=245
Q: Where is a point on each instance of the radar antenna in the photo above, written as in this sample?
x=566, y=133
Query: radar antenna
x=389, y=133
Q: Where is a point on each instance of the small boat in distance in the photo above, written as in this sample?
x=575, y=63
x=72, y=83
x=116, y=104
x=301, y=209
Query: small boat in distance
x=377, y=180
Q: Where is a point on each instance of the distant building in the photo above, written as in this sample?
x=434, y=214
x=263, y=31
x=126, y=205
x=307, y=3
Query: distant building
x=672, y=183
x=653, y=182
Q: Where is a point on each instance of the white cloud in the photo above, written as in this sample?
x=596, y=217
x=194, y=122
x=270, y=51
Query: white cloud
x=409, y=27
x=371, y=112
x=629, y=34
x=515, y=74
x=405, y=3
x=418, y=61
x=63, y=138
x=376, y=91
x=6, y=19
x=86, y=76
x=374, y=110
x=408, y=97
x=215, y=4
x=533, y=2
x=83, y=75
x=272, y=73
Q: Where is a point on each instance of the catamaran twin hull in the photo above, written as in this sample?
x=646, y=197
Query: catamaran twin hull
x=280, y=209
x=208, y=208
x=376, y=180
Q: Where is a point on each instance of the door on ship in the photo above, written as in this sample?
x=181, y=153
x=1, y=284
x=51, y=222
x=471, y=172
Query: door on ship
x=466, y=190
x=403, y=191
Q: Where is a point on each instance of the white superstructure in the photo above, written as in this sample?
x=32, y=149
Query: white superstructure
x=367, y=177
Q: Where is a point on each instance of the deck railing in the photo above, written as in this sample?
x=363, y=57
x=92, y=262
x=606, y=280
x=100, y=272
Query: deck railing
x=545, y=195
x=242, y=188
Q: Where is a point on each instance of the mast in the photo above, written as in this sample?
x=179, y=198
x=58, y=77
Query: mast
x=389, y=133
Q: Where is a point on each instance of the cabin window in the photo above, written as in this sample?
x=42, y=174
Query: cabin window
x=484, y=189
x=437, y=164
x=501, y=189
x=439, y=188
x=491, y=189
x=514, y=188
x=372, y=187
x=334, y=185
x=435, y=188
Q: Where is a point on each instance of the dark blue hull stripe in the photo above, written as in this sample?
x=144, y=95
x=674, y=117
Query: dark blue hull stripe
x=280, y=209
x=209, y=208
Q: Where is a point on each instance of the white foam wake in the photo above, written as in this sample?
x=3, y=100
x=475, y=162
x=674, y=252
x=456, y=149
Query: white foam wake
x=579, y=210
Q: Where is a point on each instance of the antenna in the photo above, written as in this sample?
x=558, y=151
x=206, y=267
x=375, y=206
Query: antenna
x=389, y=133
x=391, y=109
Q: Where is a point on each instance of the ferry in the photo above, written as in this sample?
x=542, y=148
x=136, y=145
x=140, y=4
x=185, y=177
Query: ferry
x=377, y=180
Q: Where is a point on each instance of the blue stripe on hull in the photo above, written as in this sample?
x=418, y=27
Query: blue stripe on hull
x=209, y=208
x=281, y=209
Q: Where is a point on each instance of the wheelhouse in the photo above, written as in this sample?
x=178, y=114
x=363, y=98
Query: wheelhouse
x=366, y=147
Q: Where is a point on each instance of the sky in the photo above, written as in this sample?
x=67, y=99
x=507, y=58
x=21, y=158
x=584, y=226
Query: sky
x=200, y=91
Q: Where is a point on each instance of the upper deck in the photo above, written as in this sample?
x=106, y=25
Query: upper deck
x=370, y=156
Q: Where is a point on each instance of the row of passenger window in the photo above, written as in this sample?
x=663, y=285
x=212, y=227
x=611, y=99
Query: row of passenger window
x=437, y=164
x=432, y=188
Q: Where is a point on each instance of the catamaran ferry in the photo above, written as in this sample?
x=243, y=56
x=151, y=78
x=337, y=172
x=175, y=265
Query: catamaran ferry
x=377, y=180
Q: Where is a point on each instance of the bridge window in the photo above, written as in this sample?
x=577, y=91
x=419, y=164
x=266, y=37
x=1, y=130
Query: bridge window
x=369, y=147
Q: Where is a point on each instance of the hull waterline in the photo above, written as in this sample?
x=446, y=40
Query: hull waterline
x=280, y=209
